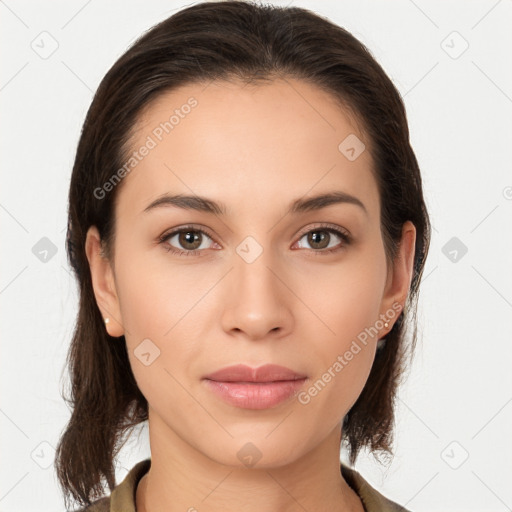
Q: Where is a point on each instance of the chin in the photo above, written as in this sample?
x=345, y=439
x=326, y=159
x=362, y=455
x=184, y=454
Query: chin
x=258, y=452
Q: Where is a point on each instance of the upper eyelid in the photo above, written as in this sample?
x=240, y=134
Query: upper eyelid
x=175, y=231
x=327, y=226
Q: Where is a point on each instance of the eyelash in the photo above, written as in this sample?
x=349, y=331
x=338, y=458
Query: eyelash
x=344, y=235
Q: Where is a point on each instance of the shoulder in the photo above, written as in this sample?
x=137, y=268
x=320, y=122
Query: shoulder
x=100, y=505
x=122, y=498
x=373, y=500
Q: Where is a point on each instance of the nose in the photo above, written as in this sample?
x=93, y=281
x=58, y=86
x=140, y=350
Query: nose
x=258, y=302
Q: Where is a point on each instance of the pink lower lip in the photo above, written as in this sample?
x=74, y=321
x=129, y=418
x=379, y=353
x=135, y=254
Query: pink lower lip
x=255, y=395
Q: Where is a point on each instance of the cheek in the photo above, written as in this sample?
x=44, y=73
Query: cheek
x=155, y=296
x=347, y=297
x=342, y=358
x=347, y=300
x=163, y=310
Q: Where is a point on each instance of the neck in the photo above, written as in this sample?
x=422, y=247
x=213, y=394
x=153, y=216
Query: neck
x=183, y=479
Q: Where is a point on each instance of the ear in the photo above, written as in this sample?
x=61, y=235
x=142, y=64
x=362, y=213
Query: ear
x=103, y=283
x=400, y=275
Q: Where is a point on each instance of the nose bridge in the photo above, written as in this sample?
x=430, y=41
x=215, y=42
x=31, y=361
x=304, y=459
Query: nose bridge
x=257, y=302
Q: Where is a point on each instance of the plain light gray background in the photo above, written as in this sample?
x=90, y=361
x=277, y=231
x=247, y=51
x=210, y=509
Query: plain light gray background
x=451, y=62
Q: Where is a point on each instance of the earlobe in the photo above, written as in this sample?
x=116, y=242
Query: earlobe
x=103, y=283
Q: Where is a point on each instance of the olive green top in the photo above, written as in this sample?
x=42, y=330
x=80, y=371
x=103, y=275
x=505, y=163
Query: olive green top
x=122, y=498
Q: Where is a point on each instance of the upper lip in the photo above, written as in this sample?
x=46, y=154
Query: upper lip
x=244, y=373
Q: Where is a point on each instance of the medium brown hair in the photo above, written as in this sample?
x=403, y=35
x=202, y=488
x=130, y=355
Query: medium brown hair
x=205, y=42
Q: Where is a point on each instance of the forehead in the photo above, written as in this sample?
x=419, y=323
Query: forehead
x=264, y=143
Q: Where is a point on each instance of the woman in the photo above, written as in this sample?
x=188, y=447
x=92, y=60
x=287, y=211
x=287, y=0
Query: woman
x=248, y=230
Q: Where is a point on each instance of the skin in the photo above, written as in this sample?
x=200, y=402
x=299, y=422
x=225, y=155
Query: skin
x=255, y=149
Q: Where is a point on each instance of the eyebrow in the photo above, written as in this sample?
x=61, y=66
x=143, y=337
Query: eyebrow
x=300, y=205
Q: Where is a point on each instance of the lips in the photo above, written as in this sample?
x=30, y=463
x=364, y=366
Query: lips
x=265, y=373
x=264, y=387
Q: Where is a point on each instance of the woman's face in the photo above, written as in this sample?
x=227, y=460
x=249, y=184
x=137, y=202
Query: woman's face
x=265, y=277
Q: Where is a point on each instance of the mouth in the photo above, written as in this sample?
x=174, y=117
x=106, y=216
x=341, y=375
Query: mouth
x=255, y=388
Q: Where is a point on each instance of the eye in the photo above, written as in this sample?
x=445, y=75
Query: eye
x=191, y=240
x=322, y=239
x=185, y=241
